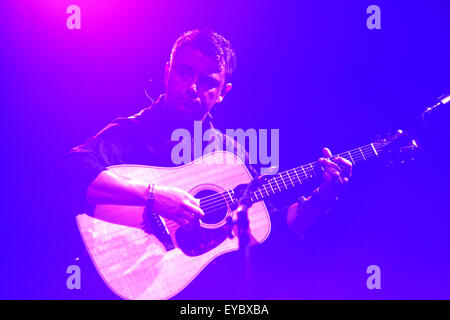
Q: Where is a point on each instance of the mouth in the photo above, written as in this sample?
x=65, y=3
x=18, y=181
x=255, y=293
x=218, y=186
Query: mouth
x=190, y=103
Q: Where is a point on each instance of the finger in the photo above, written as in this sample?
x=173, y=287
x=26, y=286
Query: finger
x=327, y=177
x=326, y=152
x=344, y=161
x=334, y=173
x=194, y=211
x=330, y=174
x=346, y=166
x=326, y=163
x=193, y=200
x=337, y=177
x=182, y=221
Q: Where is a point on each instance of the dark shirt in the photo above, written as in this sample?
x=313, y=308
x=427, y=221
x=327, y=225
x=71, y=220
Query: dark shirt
x=145, y=139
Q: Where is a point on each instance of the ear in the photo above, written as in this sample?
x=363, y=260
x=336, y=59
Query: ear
x=166, y=74
x=226, y=88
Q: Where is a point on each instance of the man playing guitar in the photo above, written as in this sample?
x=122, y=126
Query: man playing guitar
x=197, y=77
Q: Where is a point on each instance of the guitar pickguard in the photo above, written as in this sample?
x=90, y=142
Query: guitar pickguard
x=197, y=241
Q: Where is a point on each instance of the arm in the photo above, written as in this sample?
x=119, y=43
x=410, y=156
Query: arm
x=304, y=213
x=84, y=181
x=172, y=203
x=110, y=188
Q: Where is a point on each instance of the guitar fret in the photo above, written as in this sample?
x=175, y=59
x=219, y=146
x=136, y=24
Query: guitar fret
x=290, y=178
x=264, y=186
x=351, y=158
x=362, y=153
x=304, y=172
x=277, y=184
x=374, y=150
x=282, y=179
x=313, y=172
x=298, y=178
x=271, y=187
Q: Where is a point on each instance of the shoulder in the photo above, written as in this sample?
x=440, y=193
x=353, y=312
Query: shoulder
x=123, y=127
x=117, y=133
x=231, y=144
x=134, y=125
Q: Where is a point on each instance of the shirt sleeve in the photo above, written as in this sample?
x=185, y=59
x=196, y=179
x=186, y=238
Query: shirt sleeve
x=74, y=171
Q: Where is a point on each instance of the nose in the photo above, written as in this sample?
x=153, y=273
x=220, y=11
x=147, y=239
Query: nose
x=192, y=90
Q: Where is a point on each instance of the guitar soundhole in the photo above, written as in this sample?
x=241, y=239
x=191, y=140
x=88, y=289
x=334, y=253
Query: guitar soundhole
x=213, y=205
x=201, y=239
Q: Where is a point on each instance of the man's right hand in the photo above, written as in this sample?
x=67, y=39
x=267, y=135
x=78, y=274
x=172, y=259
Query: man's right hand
x=169, y=202
x=176, y=204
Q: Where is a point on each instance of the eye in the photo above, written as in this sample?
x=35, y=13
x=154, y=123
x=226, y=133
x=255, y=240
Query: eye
x=183, y=73
x=208, y=82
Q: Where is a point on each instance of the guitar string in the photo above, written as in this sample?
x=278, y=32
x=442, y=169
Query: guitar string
x=220, y=197
x=299, y=180
x=224, y=207
x=218, y=203
x=293, y=172
x=221, y=204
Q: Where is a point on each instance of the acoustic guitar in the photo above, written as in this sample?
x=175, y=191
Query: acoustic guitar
x=160, y=261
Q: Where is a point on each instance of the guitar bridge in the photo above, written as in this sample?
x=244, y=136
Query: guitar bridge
x=154, y=225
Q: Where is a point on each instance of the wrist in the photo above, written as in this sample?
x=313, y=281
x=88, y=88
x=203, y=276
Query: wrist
x=150, y=196
x=323, y=199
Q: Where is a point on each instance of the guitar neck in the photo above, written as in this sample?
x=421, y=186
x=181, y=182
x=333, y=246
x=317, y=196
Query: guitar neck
x=311, y=172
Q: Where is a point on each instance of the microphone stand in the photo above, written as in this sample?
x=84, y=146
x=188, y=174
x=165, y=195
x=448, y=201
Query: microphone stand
x=243, y=232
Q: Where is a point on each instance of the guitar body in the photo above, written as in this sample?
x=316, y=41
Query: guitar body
x=136, y=264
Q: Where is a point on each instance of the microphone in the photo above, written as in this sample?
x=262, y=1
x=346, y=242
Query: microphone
x=437, y=117
x=444, y=99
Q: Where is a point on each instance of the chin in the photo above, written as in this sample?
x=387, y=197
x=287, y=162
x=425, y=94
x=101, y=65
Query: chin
x=185, y=117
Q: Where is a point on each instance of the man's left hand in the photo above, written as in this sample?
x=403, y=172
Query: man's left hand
x=336, y=174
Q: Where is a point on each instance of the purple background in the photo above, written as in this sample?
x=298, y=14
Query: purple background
x=310, y=68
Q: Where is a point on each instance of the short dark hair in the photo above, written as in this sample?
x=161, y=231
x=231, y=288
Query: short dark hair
x=210, y=44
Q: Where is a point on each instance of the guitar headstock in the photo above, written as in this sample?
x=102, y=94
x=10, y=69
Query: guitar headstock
x=397, y=148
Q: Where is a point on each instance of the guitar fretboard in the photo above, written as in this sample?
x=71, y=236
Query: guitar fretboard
x=291, y=178
x=310, y=172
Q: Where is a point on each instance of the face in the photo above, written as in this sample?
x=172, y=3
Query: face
x=194, y=84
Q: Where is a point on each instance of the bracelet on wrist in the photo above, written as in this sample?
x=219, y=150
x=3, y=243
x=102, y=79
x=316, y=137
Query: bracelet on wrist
x=146, y=223
x=150, y=192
